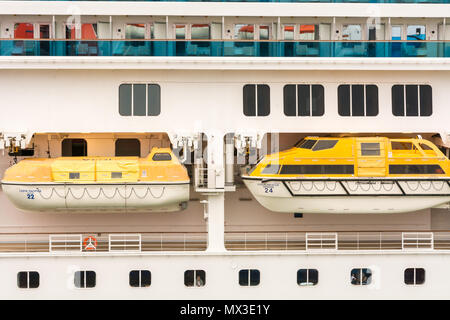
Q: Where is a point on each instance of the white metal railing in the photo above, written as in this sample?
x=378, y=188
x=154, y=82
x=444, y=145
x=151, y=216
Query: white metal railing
x=417, y=240
x=192, y=241
x=125, y=242
x=65, y=242
x=316, y=241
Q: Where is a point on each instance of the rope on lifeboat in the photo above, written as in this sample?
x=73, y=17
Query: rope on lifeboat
x=101, y=191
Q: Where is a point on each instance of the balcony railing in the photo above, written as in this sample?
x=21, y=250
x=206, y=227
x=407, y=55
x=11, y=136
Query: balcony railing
x=212, y=48
x=301, y=1
x=91, y=243
x=337, y=241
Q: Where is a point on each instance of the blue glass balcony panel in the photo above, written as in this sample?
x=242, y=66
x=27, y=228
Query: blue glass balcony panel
x=155, y=48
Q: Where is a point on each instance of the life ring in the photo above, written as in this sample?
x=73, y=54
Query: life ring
x=90, y=243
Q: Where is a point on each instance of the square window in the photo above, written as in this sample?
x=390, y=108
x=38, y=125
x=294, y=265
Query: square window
x=140, y=278
x=307, y=277
x=194, y=278
x=85, y=279
x=249, y=277
x=361, y=276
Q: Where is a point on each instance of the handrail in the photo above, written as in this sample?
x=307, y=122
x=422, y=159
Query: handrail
x=224, y=40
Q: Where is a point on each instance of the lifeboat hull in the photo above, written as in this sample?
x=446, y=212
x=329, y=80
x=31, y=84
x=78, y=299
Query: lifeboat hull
x=355, y=196
x=139, y=197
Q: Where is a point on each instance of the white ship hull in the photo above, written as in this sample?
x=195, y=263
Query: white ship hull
x=349, y=196
x=98, y=197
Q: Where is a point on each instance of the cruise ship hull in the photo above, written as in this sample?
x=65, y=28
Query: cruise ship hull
x=60, y=197
x=356, y=196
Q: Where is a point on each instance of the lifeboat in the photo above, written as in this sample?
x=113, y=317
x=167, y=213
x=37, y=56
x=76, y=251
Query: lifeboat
x=158, y=182
x=352, y=175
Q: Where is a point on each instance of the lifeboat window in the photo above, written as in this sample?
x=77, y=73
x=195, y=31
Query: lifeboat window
x=28, y=279
x=74, y=175
x=370, y=149
x=317, y=169
x=116, y=175
x=412, y=100
x=271, y=169
x=402, y=145
x=303, y=100
x=324, y=144
x=85, y=279
x=358, y=100
x=414, y=276
x=361, y=276
x=128, y=148
x=256, y=99
x=415, y=169
x=307, y=277
x=194, y=278
x=425, y=147
x=162, y=157
x=306, y=144
x=74, y=148
x=140, y=278
x=249, y=277
x=139, y=99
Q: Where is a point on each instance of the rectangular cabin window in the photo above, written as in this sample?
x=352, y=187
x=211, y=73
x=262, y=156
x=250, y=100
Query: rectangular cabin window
x=244, y=32
x=201, y=31
x=85, y=279
x=317, y=169
x=370, y=149
x=306, y=144
x=414, y=276
x=28, y=279
x=415, y=169
x=303, y=100
x=415, y=32
x=361, y=276
x=135, y=31
x=412, y=100
x=162, y=156
x=140, y=278
x=194, y=278
x=308, y=32
x=271, y=169
x=116, y=175
x=249, y=277
x=128, y=148
x=256, y=100
x=358, y=100
x=307, y=277
x=74, y=148
x=139, y=99
x=324, y=145
x=23, y=31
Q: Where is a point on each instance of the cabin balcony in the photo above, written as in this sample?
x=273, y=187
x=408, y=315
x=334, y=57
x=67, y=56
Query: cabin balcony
x=210, y=48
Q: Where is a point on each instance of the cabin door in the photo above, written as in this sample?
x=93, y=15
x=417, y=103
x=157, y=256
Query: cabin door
x=371, y=158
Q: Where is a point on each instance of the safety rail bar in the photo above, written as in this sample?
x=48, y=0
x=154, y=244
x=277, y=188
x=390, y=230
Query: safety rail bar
x=338, y=241
x=234, y=241
x=92, y=242
x=283, y=1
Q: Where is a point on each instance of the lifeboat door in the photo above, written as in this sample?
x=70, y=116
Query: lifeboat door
x=371, y=157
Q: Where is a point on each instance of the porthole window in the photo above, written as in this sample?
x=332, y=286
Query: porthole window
x=28, y=279
x=414, y=276
x=307, y=277
x=361, y=276
x=412, y=100
x=139, y=99
x=249, y=277
x=303, y=100
x=85, y=279
x=194, y=278
x=256, y=100
x=140, y=278
x=358, y=100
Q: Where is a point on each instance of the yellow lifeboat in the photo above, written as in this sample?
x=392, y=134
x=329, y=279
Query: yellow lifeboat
x=352, y=175
x=109, y=184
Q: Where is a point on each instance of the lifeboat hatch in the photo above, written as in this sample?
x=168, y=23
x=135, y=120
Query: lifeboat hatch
x=371, y=157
